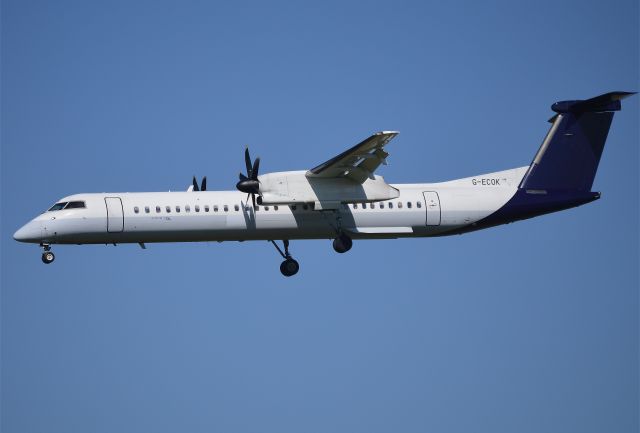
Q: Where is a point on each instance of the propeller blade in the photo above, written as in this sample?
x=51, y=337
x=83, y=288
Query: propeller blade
x=254, y=170
x=195, y=184
x=249, y=183
x=253, y=200
x=203, y=186
x=247, y=162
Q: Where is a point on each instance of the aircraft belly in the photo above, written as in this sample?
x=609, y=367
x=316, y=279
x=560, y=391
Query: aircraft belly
x=191, y=228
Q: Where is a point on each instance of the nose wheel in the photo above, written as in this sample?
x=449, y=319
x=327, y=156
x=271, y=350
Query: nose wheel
x=290, y=266
x=47, y=255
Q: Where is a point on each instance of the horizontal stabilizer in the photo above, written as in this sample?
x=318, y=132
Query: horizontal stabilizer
x=607, y=102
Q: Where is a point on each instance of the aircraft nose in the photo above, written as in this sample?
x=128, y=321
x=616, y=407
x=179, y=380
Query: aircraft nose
x=30, y=232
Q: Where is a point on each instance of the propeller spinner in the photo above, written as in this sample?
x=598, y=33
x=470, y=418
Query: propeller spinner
x=249, y=183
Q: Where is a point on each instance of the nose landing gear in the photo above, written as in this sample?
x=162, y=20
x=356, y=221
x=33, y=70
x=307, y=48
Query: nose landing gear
x=47, y=255
x=290, y=266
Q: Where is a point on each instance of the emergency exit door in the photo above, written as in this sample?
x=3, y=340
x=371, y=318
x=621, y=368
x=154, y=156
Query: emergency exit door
x=432, y=202
x=115, y=215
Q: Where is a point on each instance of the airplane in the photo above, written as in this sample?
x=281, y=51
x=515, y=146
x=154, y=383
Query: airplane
x=343, y=199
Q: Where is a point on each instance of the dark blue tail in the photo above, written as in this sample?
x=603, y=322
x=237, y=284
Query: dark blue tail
x=570, y=153
x=562, y=172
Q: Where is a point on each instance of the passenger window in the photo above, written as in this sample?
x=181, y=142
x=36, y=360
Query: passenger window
x=275, y=208
x=196, y=208
x=206, y=208
x=236, y=207
x=226, y=208
x=390, y=205
x=187, y=208
x=419, y=203
x=146, y=209
x=409, y=204
x=364, y=205
x=168, y=209
x=178, y=209
x=381, y=205
x=399, y=205
x=257, y=208
x=372, y=206
x=215, y=208
x=305, y=207
x=136, y=209
x=355, y=205
x=294, y=207
x=57, y=206
x=266, y=208
x=157, y=209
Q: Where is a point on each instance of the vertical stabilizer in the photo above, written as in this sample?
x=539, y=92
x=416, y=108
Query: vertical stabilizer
x=570, y=153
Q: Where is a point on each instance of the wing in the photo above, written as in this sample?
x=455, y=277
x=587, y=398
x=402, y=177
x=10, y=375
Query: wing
x=359, y=162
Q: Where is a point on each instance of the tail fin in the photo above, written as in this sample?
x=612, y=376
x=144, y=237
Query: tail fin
x=569, y=155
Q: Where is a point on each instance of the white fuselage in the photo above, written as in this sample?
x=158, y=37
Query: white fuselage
x=419, y=210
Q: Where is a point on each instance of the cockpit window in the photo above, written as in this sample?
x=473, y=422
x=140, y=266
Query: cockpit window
x=75, y=205
x=57, y=206
x=67, y=205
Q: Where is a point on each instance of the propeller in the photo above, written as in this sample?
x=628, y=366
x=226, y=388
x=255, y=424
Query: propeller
x=249, y=183
x=203, y=185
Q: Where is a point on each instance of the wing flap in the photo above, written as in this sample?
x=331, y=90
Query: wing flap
x=359, y=162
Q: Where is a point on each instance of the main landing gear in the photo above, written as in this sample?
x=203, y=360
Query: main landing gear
x=289, y=267
x=47, y=255
x=342, y=243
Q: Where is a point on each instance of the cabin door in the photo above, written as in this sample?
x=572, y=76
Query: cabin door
x=115, y=215
x=432, y=202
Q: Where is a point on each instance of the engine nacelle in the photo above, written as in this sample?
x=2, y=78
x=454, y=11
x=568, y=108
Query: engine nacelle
x=294, y=187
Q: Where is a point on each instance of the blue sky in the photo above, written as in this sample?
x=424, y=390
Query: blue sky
x=530, y=327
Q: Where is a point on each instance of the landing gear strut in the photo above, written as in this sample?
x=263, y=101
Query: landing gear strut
x=342, y=243
x=47, y=255
x=289, y=267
